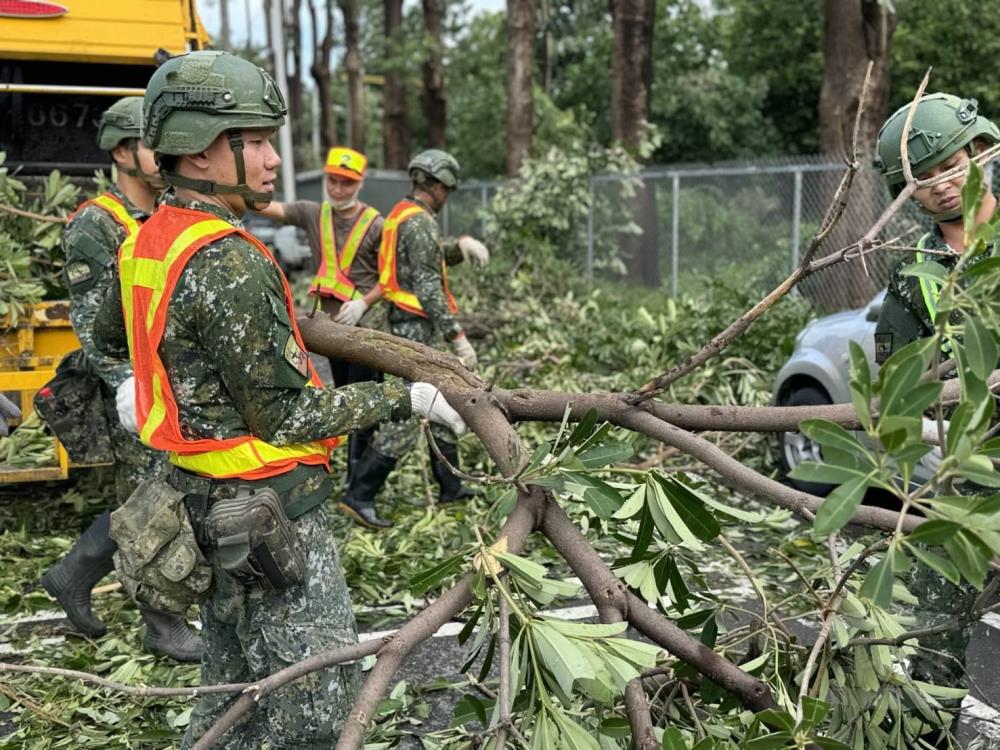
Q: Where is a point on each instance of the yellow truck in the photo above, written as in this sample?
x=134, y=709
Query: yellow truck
x=61, y=65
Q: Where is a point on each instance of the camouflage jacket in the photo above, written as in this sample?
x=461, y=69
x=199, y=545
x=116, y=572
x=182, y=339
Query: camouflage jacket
x=231, y=358
x=91, y=243
x=419, y=252
x=904, y=317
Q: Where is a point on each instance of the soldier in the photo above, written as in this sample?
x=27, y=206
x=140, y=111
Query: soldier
x=344, y=235
x=414, y=279
x=224, y=385
x=91, y=241
x=945, y=133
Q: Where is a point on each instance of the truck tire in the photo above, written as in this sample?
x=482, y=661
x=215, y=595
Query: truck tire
x=794, y=447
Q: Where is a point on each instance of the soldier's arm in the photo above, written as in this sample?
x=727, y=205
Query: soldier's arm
x=91, y=275
x=452, y=254
x=243, y=318
x=418, y=236
x=898, y=322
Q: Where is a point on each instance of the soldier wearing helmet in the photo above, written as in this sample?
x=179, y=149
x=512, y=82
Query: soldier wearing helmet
x=91, y=241
x=413, y=277
x=223, y=384
x=945, y=133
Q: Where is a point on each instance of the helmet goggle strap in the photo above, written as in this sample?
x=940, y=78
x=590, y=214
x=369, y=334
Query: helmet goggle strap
x=253, y=200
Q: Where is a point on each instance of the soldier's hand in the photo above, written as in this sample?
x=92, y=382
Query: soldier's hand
x=125, y=405
x=427, y=401
x=351, y=312
x=464, y=351
x=473, y=251
x=8, y=410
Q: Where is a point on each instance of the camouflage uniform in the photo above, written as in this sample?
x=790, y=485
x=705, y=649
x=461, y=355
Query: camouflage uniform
x=91, y=243
x=418, y=268
x=904, y=318
x=225, y=348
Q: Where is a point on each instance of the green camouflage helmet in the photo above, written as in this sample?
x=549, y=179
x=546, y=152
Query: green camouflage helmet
x=120, y=121
x=438, y=164
x=942, y=125
x=193, y=98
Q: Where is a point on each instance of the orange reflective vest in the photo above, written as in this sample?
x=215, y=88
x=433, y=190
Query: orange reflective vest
x=115, y=209
x=150, y=263
x=387, y=279
x=333, y=278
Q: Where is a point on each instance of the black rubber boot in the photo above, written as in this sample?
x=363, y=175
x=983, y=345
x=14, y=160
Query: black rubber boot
x=169, y=634
x=357, y=445
x=452, y=489
x=71, y=580
x=370, y=473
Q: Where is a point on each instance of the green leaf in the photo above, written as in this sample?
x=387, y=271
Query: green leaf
x=840, y=505
x=878, y=583
x=777, y=719
x=615, y=726
x=584, y=427
x=694, y=515
x=770, y=741
x=605, y=454
x=828, y=743
x=813, y=711
x=426, y=579
x=639, y=654
x=945, y=567
x=574, y=737
x=980, y=347
x=560, y=655
x=586, y=630
x=926, y=269
x=972, y=196
x=823, y=473
x=933, y=532
x=470, y=708
x=602, y=498
x=635, y=503
x=673, y=739
x=828, y=433
x=967, y=552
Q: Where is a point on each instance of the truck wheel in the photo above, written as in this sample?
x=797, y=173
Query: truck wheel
x=795, y=447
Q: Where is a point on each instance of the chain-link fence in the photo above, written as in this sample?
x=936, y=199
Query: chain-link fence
x=751, y=221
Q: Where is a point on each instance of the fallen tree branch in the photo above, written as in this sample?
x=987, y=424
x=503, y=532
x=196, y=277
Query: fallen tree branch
x=140, y=691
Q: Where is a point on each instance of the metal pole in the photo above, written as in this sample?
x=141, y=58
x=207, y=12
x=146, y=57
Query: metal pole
x=796, y=218
x=285, y=133
x=315, y=127
x=45, y=88
x=675, y=231
x=590, y=233
x=483, y=202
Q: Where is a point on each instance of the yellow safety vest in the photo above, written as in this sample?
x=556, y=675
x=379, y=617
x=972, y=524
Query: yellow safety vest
x=333, y=277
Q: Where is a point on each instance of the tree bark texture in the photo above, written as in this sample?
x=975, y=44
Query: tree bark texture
x=395, y=124
x=354, y=67
x=855, y=32
x=225, y=32
x=320, y=70
x=433, y=100
x=520, y=79
x=293, y=43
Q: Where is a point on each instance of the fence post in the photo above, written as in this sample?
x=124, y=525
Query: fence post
x=675, y=231
x=482, y=216
x=796, y=218
x=590, y=230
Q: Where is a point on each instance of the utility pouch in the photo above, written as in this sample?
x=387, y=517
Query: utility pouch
x=73, y=407
x=254, y=539
x=158, y=560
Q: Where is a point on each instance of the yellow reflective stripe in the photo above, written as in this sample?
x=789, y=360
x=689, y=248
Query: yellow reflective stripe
x=244, y=458
x=113, y=206
x=928, y=289
x=157, y=413
x=353, y=242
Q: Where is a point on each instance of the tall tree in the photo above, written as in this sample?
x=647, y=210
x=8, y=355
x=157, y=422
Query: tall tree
x=320, y=70
x=631, y=82
x=293, y=43
x=855, y=32
x=520, y=75
x=395, y=125
x=225, y=34
x=354, y=67
x=433, y=100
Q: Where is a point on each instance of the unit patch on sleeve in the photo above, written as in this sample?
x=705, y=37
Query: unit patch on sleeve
x=295, y=356
x=77, y=273
x=883, y=347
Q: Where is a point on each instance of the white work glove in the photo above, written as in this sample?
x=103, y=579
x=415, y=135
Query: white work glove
x=473, y=251
x=427, y=401
x=125, y=404
x=464, y=351
x=351, y=312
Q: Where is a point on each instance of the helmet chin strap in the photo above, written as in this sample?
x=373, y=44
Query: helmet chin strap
x=155, y=181
x=254, y=201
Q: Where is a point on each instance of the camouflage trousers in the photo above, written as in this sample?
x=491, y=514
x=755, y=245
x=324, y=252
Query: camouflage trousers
x=250, y=632
x=134, y=462
x=941, y=657
x=396, y=439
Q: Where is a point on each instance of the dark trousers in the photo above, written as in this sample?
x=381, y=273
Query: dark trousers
x=345, y=373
